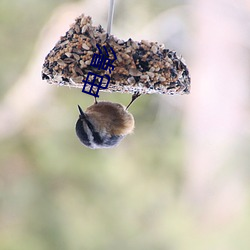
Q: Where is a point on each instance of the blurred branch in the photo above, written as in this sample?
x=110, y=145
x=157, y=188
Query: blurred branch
x=29, y=92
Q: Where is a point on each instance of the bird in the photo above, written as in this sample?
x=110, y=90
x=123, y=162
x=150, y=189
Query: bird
x=104, y=124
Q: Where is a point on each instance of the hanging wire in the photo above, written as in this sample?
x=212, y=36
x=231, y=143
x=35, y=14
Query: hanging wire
x=110, y=15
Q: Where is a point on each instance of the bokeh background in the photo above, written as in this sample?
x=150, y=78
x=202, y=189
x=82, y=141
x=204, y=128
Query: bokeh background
x=180, y=182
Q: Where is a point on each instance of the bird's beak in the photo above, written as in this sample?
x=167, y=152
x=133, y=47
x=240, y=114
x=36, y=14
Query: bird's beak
x=82, y=115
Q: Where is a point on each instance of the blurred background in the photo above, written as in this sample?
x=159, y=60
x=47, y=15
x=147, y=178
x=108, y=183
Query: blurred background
x=180, y=182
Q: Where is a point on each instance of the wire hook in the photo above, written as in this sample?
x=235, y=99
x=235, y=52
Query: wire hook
x=110, y=16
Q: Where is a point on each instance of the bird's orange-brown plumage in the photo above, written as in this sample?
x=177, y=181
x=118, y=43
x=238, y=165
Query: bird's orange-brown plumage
x=112, y=117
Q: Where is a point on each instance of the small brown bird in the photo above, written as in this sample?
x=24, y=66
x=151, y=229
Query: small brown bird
x=104, y=124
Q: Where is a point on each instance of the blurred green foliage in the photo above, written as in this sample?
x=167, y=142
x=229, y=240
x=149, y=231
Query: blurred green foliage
x=20, y=24
x=57, y=194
